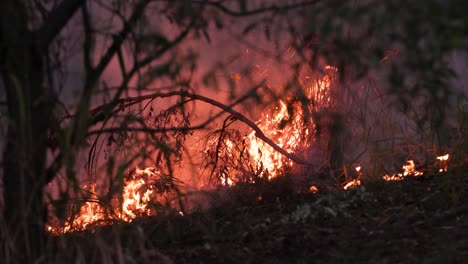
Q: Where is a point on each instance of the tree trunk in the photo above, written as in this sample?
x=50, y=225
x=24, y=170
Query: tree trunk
x=25, y=150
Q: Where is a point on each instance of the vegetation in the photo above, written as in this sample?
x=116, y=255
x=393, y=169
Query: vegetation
x=136, y=102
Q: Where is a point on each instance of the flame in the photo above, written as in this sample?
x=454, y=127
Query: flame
x=139, y=191
x=351, y=184
x=443, y=157
x=292, y=136
x=90, y=213
x=287, y=125
x=409, y=169
x=354, y=182
x=443, y=162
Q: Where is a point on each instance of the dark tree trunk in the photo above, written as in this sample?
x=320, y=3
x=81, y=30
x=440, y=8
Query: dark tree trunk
x=25, y=150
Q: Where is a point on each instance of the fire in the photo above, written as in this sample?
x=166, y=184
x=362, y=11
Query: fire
x=351, y=184
x=90, y=213
x=139, y=193
x=443, y=162
x=293, y=136
x=135, y=202
x=271, y=160
x=409, y=169
x=313, y=189
x=443, y=157
x=237, y=158
x=354, y=182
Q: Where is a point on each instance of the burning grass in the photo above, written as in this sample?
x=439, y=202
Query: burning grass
x=408, y=221
x=144, y=187
x=236, y=158
x=312, y=115
x=141, y=196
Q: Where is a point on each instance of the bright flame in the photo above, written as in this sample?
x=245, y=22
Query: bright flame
x=292, y=136
x=138, y=193
x=354, y=182
x=443, y=162
x=409, y=169
x=288, y=126
x=351, y=184
x=443, y=158
x=91, y=212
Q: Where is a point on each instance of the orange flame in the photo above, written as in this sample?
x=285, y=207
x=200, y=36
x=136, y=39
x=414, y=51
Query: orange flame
x=313, y=189
x=137, y=195
x=351, y=184
x=409, y=169
x=443, y=162
x=291, y=137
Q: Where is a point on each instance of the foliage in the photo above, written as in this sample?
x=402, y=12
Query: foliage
x=139, y=73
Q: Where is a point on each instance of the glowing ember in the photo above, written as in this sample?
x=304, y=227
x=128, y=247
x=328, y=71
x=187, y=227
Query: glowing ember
x=313, y=189
x=393, y=177
x=358, y=169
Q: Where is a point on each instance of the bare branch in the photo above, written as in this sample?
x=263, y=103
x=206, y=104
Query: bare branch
x=57, y=20
x=91, y=77
x=143, y=129
x=140, y=64
x=242, y=13
x=117, y=43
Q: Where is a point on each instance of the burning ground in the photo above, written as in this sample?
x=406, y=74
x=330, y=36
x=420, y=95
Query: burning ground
x=416, y=220
x=257, y=208
x=278, y=190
